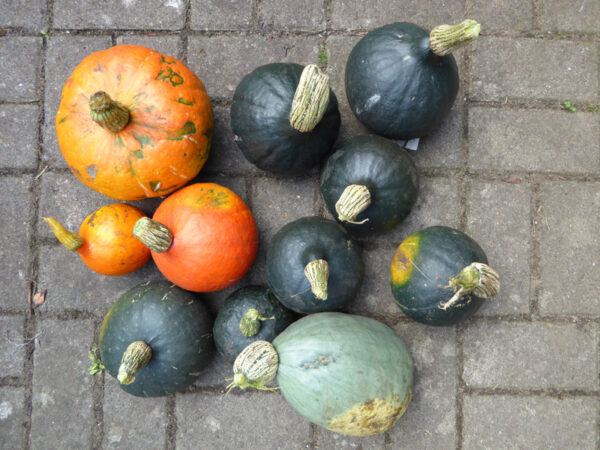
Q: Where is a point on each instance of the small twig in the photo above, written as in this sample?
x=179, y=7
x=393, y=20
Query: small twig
x=46, y=167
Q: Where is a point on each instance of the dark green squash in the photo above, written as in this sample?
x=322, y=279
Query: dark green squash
x=319, y=250
x=369, y=184
x=165, y=324
x=249, y=314
x=260, y=119
x=350, y=374
x=401, y=80
x=440, y=275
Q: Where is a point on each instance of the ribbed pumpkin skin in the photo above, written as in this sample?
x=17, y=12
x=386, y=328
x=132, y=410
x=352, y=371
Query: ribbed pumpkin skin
x=260, y=120
x=302, y=241
x=165, y=143
x=215, y=238
x=173, y=323
x=332, y=362
x=384, y=168
x=229, y=340
x=396, y=86
x=422, y=267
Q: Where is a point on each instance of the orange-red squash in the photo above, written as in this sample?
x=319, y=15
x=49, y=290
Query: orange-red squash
x=134, y=123
x=203, y=237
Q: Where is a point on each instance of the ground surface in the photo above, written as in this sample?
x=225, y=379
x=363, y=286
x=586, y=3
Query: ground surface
x=511, y=166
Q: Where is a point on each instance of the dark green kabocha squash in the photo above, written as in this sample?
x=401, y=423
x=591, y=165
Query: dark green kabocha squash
x=313, y=265
x=249, y=314
x=440, y=276
x=401, y=80
x=369, y=184
x=156, y=339
x=285, y=117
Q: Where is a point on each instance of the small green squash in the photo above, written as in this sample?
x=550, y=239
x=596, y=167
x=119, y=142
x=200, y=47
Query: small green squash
x=284, y=117
x=369, y=184
x=401, y=80
x=249, y=314
x=440, y=275
x=349, y=374
x=313, y=265
x=156, y=339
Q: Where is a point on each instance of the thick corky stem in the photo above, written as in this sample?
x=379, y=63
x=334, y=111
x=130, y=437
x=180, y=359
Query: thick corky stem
x=317, y=273
x=71, y=241
x=153, y=234
x=310, y=99
x=477, y=278
x=354, y=200
x=250, y=323
x=447, y=38
x=107, y=113
x=137, y=355
x=255, y=366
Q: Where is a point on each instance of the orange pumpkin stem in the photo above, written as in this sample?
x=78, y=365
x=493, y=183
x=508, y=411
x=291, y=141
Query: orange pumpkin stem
x=107, y=113
x=71, y=241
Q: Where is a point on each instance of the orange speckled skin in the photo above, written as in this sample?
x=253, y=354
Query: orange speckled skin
x=109, y=247
x=167, y=139
x=215, y=238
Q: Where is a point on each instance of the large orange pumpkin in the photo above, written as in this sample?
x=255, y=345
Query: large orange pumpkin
x=134, y=123
x=203, y=237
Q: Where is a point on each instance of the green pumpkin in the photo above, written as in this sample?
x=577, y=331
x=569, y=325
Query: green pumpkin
x=169, y=326
x=369, y=184
x=439, y=276
x=349, y=374
x=401, y=80
x=260, y=119
x=313, y=265
x=249, y=314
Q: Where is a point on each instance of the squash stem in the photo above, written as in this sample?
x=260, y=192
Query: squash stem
x=250, y=323
x=153, y=234
x=107, y=113
x=477, y=278
x=310, y=99
x=255, y=366
x=447, y=38
x=137, y=355
x=71, y=241
x=354, y=200
x=317, y=273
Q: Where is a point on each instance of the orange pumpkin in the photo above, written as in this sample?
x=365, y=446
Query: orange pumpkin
x=134, y=123
x=203, y=237
x=105, y=241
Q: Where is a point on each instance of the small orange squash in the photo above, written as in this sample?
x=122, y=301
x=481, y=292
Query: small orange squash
x=134, y=123
x=203, y=237
x=105, y=241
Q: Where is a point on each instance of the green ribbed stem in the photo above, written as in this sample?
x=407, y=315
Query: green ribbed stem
x=310, y=99
x=317, y=273
x=153, y=234
x=354, y=200
x=250, y=323
x=107, y=113
x=137, y=355
x=255, y=366
x=477, y=278
x=447, y=38
x=71, y=241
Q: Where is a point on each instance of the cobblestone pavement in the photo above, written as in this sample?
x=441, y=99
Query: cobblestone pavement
x=511, y=165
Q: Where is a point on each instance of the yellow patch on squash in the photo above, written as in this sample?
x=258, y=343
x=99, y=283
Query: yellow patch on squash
x=402, y=262
x=371, y=417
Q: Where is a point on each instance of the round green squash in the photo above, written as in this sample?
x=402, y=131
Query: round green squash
x=349, y=374
x=313, y=265
x=249, y=314
x=262, y=111
x=440, y=275
x=401, y=80
x=171, y=333
x=369, y=184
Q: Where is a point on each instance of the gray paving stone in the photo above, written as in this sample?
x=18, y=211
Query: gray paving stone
x=111, y=14
x=300, y=15
x=62, y=415
x=15, y=215
x=63, y=54
x=532, y=139
x=12, y=346
x=221, y=14
x=23, y=14
x=25, y=53
x=567, y=229
x=18, y=136
x=568, y=16
x=12, y=417
x=430, y=421
x=499, y=220
x=526, y=68
x=531, y=356
x=132, y=422
x=169, y=45
x=246, y=421
x=329, y=440
x=503, y=15
x=529, y=422
x=222, y=61
x=216, y=374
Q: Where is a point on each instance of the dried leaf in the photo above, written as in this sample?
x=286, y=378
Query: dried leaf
x=513, y=179
x=38, y=299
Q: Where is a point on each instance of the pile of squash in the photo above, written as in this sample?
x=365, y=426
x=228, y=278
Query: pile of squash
x=134, y=123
